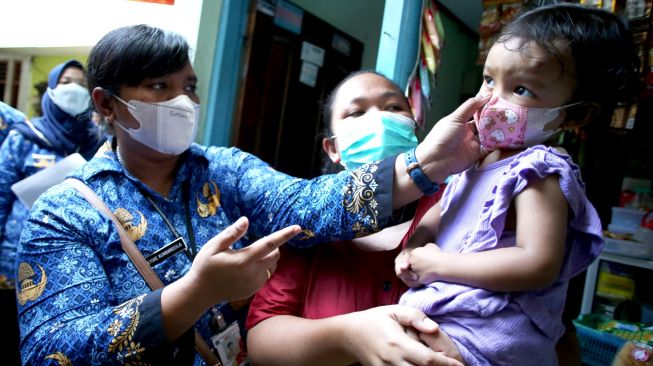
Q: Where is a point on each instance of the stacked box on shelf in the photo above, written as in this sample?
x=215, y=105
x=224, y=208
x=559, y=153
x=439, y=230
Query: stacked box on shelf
x=627, y=221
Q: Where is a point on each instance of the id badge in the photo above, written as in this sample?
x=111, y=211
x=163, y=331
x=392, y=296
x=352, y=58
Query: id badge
x=230, y=346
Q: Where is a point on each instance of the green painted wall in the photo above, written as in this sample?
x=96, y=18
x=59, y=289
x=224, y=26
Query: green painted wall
x=41, y=66
x=459, y=77
x=204, y=56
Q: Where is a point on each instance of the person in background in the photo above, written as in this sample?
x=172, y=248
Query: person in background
x=32, y=146
x=8, y=116
x=492, y=260
x=328, y=301
x=41, y=87
x=82, y=301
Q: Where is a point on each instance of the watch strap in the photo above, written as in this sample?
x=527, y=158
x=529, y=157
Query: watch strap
x=414, y=170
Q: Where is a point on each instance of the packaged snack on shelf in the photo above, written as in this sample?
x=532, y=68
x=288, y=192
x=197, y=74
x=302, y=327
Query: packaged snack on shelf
x=614, y=283
x=637, y=332
x=490, y=21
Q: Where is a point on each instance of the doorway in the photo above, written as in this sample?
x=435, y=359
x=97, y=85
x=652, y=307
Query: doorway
x=293, y=61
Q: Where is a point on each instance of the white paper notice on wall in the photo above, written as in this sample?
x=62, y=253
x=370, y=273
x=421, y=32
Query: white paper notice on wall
x=312, y=54
x=308, y=74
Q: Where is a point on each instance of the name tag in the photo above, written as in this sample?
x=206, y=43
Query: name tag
x=167, y=251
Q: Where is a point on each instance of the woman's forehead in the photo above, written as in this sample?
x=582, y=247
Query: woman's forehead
x=365, y=86
x=72, y=73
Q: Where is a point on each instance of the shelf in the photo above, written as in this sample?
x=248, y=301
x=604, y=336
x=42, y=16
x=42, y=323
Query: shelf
x=631, y=261
x=593, y=270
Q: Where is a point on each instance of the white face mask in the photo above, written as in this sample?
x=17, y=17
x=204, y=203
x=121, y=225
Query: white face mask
x=71, y=98
x=168, y=127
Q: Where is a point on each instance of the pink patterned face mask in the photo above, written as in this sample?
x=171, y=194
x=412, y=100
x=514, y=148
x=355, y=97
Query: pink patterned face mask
x=505, y=125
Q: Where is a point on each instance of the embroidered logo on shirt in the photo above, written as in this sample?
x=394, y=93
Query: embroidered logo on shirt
x=360, y=199
x=307, y=234
x=43, y=161
x=213, y=200
x=128, y=316
x=28, y=289
x=126, y=220
x=62, y=359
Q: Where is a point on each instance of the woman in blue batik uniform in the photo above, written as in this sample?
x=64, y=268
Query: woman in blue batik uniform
x=80, y=298
x=32, y=146
x=8, y=116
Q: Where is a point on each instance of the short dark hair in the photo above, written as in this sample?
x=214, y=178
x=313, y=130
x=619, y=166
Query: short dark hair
x=328, y=166
x=327, y=107
x=600, y=44
x=128, y=55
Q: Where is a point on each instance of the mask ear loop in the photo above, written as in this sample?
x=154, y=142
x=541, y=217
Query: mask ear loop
x=569, y=105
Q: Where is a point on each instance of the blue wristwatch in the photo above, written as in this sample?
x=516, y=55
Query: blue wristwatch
x=415, y=172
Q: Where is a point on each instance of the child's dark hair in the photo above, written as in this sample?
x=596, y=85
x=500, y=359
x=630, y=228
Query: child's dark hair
x=600, y=43
x=128, y=55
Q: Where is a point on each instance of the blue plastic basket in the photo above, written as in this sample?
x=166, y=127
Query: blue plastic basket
x=597, y=348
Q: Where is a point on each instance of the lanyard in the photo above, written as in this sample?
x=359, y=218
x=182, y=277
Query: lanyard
x=191, y=251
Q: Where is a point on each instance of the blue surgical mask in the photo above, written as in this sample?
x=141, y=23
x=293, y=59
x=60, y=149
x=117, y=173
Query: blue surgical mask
x=375, y=136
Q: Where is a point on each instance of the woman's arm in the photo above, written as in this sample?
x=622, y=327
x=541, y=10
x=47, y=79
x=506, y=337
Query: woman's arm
x=450, y=147
x=371, y=337
x=9, y=174
x=346, y=205
x=534, y=263
x=425, y=232
x=69, y=307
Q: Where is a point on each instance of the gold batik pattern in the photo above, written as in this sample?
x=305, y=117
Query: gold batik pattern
x=126, y=219
x=123, y=329
x=305, y=234
x=211, y=194
x=30, y=291
x=360, y=199
x=62, y=359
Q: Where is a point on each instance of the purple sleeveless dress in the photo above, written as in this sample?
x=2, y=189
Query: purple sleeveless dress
x=500, y=328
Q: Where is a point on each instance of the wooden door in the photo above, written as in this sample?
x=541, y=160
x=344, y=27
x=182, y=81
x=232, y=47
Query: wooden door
x=279, y=116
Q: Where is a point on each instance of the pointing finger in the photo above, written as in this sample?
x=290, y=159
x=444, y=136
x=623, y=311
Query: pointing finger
x=268, y=244
x=228, y=236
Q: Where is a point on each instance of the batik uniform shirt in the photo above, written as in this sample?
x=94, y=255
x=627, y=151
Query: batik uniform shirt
x=8, y=116
x=19, y=158
x=82, y=301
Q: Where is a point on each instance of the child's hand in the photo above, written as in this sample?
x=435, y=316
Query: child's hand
x=403, y=268
x=421, y=262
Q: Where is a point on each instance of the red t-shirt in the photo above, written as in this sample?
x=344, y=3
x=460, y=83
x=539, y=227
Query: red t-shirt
x=332, y=279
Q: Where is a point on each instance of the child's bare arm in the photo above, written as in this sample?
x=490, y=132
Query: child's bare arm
x=541, y=219
x=424, y=233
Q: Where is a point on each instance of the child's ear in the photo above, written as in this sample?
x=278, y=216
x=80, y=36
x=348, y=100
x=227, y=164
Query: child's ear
x=581, y=115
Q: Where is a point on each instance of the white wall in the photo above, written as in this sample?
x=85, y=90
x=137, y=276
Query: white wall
x=81, y=23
